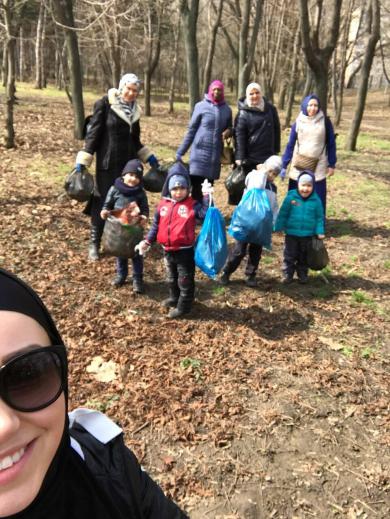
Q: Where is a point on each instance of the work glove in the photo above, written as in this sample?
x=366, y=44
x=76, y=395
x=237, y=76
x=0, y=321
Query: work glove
x=142, y=247
x=152, y=160
x=283, y=172
x=238, y=162
x=80, y=168
x=207, y=188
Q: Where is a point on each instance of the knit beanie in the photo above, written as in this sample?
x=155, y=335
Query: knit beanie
x=178, y=181
x=128, y=79
x=134, y=166
x=306, y=101
x=274, y=162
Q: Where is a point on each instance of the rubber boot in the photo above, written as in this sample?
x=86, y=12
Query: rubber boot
x=173, y=298
x=94, y=244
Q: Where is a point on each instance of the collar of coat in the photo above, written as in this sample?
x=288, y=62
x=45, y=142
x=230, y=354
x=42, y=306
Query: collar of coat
x=113, y=99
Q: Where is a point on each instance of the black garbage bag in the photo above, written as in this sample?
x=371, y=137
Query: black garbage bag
x=235, y=185
x=154, y=179
x=79, y=185
x=317, y=255
x=120, y=239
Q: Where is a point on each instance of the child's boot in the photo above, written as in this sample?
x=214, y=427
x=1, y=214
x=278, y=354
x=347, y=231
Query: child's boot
x=138, y=285
x=94, y=243
x=224, y=279
x=118, y=281
x=251, y=281
x=171, y=301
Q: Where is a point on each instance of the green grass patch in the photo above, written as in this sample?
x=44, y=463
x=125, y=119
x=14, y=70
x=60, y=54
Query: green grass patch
x=193, y=366
x=219, y=291
x=347, y=351
x=386, y=264
x=325, y=292
x=102, y=405
x=267, y=260
x=360, y=297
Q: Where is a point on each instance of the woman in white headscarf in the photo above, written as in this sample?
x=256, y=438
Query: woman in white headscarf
x=113, y=133
x=256, y=129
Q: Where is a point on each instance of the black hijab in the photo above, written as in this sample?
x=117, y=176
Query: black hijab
x=69, y=491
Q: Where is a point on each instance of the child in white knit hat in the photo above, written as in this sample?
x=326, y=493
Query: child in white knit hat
x=260, y=178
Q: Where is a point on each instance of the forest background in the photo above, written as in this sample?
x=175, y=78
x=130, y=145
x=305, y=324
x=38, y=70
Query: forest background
x=270, y=402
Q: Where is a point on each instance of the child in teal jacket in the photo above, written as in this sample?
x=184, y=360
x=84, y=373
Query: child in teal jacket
x=301, y=217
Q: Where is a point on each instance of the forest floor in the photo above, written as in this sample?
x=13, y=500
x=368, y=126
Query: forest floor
x=267, y=402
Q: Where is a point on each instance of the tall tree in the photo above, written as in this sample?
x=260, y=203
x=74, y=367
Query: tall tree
x=373, y=29
x=152, y=32
x=39, y=80
x=319, y=38
x=247, y=41
x=11, y=31
x=213, y=27
x=189, y=10
x=63, y=11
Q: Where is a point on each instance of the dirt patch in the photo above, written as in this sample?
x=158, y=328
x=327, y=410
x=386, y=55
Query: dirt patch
x=267, y=402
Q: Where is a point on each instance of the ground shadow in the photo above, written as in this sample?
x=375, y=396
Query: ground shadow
x=337, y=228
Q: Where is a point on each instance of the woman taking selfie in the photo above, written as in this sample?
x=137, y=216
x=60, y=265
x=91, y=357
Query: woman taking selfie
x=55, y=466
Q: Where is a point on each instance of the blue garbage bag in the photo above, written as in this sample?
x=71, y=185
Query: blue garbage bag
x=211, y=246
x=252, y=219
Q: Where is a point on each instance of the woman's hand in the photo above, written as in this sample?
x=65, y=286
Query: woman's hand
x=330, y=172
x=238, y=162
x=104, y=214
x=320, y=236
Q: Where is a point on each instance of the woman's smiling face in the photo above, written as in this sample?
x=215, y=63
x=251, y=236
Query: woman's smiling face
x=28, y=441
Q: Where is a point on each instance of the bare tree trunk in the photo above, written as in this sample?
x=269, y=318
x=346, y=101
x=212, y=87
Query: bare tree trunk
x=174, y=68
x=38, y=47
x=4, y=65
x=115, y=50
x=211, y=47
x=10, y=85
x=153, y=38
x=246, y=50
x=318, y=57
x=373, y=15
x=334, y=82
x=64, y=15
x=293, y=78
x=189, y=10
x=21, y=54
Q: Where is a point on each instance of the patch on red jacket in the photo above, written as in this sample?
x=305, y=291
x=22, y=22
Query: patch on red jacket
x=164, y=211
x=182, y=211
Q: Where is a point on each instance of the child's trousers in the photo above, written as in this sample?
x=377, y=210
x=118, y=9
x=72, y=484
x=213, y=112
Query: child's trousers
x=295, y=256
x=238, y=252
x=180, y=268
x=122, y=267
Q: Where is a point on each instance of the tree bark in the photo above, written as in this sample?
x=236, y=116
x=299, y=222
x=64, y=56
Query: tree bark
x=211, y=46
x=21, y=54
x=38, y=47
x=152, y=31
x=318, y=57
x=246, y=49
x=63, y=10
x=189, y=10
x=293, y=78
x=373, y=12
x=174, y=68
x=11, y=65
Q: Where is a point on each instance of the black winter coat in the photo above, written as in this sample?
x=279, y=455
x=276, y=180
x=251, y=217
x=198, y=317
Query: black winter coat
x=117, y=200
x=256, y=133
x=129, y=489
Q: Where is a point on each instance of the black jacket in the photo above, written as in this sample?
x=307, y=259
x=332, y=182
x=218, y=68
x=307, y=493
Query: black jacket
x=122, y=481
x=256, y=133
x=117, y=200
x=111, y=138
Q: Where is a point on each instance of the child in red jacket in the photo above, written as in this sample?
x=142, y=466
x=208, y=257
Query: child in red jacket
x=174, y=228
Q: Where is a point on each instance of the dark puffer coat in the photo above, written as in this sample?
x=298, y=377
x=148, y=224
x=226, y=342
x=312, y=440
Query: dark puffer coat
x=256, y=133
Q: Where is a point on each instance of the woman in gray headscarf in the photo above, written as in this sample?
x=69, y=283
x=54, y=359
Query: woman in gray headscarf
x=113, y=133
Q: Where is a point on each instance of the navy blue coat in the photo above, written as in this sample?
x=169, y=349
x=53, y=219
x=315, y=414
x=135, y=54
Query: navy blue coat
x=204, y=135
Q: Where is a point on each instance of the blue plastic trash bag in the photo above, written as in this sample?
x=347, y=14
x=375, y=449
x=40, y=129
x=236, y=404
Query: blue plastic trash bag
x=211, y=247
x=252, y=219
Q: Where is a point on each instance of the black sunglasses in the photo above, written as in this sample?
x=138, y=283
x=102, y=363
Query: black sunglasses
x=35, y=379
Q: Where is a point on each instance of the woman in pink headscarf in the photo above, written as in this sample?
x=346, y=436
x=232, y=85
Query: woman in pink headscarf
x=211, y=122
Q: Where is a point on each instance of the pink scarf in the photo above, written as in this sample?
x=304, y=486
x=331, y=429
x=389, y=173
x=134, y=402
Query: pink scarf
x=216, y=84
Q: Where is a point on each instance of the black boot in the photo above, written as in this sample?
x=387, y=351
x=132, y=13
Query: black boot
x=94, y=244
x=173, y=298
x=138, y=285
